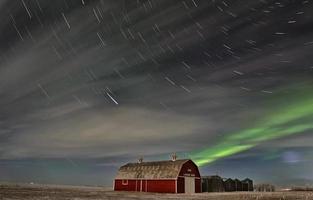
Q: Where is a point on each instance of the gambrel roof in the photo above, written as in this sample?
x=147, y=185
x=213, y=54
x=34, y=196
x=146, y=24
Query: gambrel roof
x=151, y=170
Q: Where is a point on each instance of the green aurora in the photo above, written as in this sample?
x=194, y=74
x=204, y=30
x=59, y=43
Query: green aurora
x=289, y=119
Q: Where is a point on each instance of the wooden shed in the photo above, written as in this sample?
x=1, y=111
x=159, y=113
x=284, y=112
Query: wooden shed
x=170, y=176
x=212, y=184
x=238, y=185
x=229, y=185
x=247, y=184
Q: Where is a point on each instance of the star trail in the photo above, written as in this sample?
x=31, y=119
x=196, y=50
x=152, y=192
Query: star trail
x=87, y=85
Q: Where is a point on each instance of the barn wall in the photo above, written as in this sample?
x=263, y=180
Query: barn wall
x=138, y=186
x=131, y=186
x=198, y=186
x=163, y=186
x=180, y=185
x=144, y=185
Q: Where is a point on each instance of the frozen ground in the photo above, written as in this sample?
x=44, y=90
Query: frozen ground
x=35, y=192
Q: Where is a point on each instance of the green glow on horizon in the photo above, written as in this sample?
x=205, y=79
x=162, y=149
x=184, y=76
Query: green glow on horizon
x=283, y=122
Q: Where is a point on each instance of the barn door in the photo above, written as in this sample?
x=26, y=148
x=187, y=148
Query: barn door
x=189, y=185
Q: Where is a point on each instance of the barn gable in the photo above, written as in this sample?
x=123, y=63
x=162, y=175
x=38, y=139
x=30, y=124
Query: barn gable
x=151, y=170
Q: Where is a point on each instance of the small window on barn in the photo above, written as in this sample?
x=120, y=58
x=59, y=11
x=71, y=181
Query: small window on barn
x=124, y=182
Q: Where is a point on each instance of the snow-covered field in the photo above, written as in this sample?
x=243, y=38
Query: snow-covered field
x=35, y=192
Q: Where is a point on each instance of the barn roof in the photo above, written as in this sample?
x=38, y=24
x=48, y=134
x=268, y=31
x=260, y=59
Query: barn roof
x=151, y=170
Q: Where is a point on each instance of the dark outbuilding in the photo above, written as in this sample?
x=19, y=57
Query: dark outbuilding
x=247, y=184
x=212, y=184
x=238, y=185
x=229, y=185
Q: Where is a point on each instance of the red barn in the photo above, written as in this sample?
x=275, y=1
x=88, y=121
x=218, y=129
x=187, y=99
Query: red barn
x=171, y=176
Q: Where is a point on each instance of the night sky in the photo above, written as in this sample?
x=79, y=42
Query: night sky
x=86, y=86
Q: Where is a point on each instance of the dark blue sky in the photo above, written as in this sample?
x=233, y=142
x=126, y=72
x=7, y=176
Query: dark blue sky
x=86, y=86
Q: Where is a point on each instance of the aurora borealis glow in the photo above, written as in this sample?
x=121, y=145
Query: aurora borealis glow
x=282, y=122
x=89, y=85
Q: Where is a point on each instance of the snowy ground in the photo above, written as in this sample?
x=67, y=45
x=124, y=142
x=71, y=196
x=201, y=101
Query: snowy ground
x=35, y=192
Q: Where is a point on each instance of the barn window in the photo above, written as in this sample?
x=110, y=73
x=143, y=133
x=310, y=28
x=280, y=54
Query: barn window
x=124, y=182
